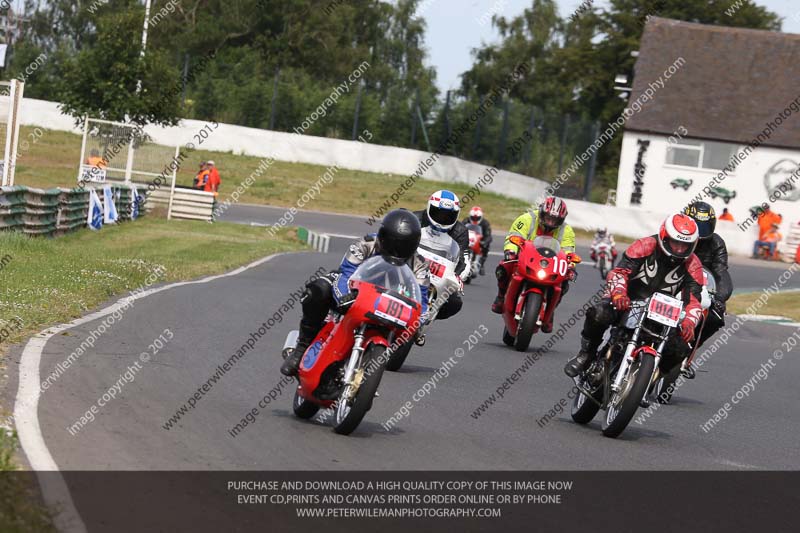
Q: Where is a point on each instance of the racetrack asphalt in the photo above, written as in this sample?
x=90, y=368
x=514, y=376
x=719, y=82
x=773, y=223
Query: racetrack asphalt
x=209, y=322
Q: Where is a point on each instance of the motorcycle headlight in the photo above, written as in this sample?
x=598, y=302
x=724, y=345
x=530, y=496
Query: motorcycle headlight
x=541, y=274
x=544, y=263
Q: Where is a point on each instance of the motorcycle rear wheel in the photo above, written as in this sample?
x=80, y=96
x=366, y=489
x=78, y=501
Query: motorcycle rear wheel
x=350, y=413
x=530, y=314
x=623, y=405
x=398, y=357
x=508, y=338
x=664, y=387
x=303, y=408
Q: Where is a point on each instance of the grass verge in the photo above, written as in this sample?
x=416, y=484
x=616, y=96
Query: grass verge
x=782, y=304
x=52, y=161
x=50, y=281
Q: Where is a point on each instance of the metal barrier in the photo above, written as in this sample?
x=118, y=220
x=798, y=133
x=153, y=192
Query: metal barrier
x=54, y=212
x=183, y=202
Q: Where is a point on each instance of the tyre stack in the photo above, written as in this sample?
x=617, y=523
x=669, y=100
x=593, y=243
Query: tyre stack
x=41, y=212
x=12, y=208
x=73, y=207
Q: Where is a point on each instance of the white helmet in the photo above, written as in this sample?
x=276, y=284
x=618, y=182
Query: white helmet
x=443, y=210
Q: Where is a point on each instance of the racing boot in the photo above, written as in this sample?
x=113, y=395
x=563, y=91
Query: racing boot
x=502, y=274
x=481, y=262
x=578, y=364
x=292, y=361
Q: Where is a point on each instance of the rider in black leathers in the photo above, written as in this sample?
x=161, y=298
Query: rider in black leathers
x=713, y=254
x=658, y=263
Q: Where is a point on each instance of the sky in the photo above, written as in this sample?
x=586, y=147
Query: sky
x=455, y=27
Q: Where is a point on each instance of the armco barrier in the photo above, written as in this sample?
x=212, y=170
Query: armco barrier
x=53, y=212
x=186, y=203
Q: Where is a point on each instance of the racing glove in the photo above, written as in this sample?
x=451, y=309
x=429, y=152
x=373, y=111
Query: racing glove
x=572, y=274
x=719, y=307
x=687, y=330
x=346, y=301
x=620, y=300
x=508, y=255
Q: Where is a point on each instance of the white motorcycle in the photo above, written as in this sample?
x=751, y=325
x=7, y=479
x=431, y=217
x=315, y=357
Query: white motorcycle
x=605, y=259
x=442, y=254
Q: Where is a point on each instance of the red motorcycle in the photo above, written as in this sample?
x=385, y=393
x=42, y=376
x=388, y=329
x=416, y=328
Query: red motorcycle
x=535, y=287
x=475, y=239
x=343, y=367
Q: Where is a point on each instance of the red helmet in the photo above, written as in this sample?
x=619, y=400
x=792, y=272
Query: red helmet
x=678, y=236
x=552, y=213
x=476, y=215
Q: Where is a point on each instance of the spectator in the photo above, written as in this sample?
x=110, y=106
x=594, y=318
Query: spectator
x=95, y=160
x=770, y=239
x=726, y=215
x=214, y=180
x=201, y=179
x=766, y=220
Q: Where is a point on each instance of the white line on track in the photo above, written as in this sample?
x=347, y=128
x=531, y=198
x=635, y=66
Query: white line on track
x=54, y=488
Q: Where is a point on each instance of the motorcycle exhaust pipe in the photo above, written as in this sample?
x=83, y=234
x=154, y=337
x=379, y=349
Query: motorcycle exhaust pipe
x=290, y=343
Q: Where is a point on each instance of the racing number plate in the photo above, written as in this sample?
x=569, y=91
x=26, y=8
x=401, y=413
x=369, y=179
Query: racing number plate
x=664, y=309
x=437, y=269
x=393, y=310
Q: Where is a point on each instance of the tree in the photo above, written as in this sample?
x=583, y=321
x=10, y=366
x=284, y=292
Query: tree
x=107, y=78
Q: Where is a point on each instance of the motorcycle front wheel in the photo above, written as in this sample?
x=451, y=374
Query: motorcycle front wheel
x=623, y=404
x=584, y=409
x=351, y=410
x=530, y=314
x=603, y=268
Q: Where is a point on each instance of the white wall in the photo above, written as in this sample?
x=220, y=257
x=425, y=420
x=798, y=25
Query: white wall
x=747, y=180
x=659, y=197
x=354, y=155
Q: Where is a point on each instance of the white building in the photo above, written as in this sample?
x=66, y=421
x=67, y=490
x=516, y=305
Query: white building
x=724, y=128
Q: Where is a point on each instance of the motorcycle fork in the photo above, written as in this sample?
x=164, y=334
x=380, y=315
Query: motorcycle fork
x=627, y=360
x=355, y=358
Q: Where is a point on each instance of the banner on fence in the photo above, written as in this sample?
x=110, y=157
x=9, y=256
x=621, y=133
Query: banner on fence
x=110, y=215
x=95, y=217
x=134, y=202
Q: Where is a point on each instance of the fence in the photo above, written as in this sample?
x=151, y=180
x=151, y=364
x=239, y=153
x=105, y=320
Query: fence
x=791, y=244
x=10, y=102
x=52, y=212
x=123, y=151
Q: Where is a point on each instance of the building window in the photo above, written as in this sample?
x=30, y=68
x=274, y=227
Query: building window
x=700, y=154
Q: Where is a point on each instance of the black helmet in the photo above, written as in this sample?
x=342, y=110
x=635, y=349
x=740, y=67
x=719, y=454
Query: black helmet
x=399, y=235
x=705, y=217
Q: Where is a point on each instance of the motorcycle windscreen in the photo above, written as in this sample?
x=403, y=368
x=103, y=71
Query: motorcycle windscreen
x=439, y=244
x=711, y=284
x=377, y=271
x=476, y=228
x=547, y=242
